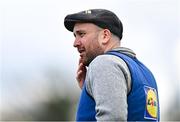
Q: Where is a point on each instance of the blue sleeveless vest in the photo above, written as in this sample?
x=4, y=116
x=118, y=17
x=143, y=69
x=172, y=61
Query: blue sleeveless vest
x=142, y=100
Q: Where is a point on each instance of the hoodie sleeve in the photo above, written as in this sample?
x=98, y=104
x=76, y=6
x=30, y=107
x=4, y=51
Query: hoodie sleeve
x=108, y=82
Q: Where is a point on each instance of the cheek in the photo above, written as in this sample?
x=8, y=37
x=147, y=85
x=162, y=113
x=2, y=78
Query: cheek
x=100, y=39
x=91, y=43
x=98, y=42
x=87, y=43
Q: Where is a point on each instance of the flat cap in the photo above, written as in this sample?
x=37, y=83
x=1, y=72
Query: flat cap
x=101, y=17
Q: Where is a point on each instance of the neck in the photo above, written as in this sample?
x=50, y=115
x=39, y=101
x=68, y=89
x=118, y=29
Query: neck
x=112, y=46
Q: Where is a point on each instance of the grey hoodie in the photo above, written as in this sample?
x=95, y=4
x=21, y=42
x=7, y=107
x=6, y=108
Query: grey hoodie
x=108, y=81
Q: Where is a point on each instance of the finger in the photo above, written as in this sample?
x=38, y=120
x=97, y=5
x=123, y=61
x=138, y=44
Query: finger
x=79, y=72
x=79, y=76
x=80, y=67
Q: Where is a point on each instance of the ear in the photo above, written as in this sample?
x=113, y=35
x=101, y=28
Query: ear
x=106, y=36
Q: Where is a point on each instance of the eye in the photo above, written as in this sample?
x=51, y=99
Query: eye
x=81, y=34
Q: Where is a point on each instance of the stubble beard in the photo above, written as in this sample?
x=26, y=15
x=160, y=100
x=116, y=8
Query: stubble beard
x=93, y=52
x=91, y=55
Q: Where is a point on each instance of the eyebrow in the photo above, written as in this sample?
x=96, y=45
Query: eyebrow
x=78, y=32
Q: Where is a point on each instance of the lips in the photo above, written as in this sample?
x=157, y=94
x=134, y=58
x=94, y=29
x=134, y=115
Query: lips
x=81, y=51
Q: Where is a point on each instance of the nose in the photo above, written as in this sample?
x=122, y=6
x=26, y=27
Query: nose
x=77, y=42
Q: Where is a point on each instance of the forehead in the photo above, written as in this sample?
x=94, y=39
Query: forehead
x=84, y=27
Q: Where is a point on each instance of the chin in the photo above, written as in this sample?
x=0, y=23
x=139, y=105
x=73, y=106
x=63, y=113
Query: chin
x=87, y=62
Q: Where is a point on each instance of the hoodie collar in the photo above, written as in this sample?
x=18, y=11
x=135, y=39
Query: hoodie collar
x=125, y=51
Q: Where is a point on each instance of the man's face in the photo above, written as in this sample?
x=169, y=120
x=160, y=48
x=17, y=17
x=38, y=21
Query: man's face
x=87, y=41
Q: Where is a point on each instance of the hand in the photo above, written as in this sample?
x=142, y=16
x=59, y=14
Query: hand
x=81, y=73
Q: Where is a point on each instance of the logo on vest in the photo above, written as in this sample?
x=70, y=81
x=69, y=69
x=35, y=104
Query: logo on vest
x=151, y=111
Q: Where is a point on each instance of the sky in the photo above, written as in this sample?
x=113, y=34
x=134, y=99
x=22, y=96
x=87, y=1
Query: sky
x=33, y=39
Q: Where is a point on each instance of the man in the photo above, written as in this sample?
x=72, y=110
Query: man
x=116, y=86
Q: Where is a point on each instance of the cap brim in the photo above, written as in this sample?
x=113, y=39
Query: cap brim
x=72, y=19
x=69, y=24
